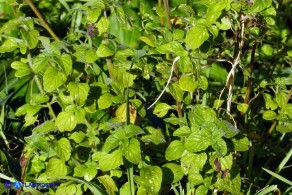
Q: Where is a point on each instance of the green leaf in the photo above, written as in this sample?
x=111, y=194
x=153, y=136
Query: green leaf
x=9, y=45
x=139, y=107
x=79, y=92
x=102, y=25
x=270, y=104
x=53, y=79
x=66, y=121
x=203, y=82
x=31, y=38
x=178, y=34
x=105, y=101
x=196, y=178
x=269, y=115
x=182, y=131
x=148, y=40
x=220, y=147
x=172, y=47
x=176, y=92
x=278, y=176
x=104, y=51
x=109, y=184
x=201, y=115
x=196, y=36
x=281, y=99
x=218, y=73
x=242, y=107
x=228, y=129
x=193, y=163
x=94, y=12
x=152, y=178
x=188, y=83
x=215, y=10
x=175, y=150
x=241, y=144
x=66, y=64
x=63, y=149
x=125, y=79
x=91, y=171
x=202, y=190
x=39, y=63
x=259, y=5
x=225, y=24
x=56, y=168
x=111, y=161
x=232, y=185
x=21, y=68
x=45, y=127
x=77, y=136
x=156, y=136
x=131, y=151
x=200, y=140
x=132, y=130
x=172, y=173
x=161, y=109
x=80, y=170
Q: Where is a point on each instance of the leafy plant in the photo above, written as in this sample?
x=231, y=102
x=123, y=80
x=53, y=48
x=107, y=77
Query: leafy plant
x=145, y=97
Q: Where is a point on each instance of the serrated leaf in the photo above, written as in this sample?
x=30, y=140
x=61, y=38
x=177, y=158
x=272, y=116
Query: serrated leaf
x=175, y=150
x=77, y=136
x=203, y=82
x=230, y=184
x=111, y=161
x=161, y=109
x=172, y=173
x=188, y=83
x=80, y=170
x=91, y=172
x=105, y=101
x=269, y=115
x=196, y=36
x=94, y=12
x=156, y=136
x=201, y=115
x=108, y=183
x=66, y=121
x=45, y=127
x=104, y=51
x=79, y=92
x=193, y=163
x=152, y=178
x=220, y=147
x=131, y=150
x=31, y=38
x=176, y=92
x=9, y=45
x=281, y=99
x=148, y=40
x=259, y=5
x=125, y=79
x=242, y=107
x=196, y=178
x=182, y=131
x=214, y=11
x=241, y=144
x=56, y=168
x=102, y=25
x=21, y=68
x=53, y=79
x=66, y=63
x=228, y=129
x=63, y=149
x=39, y=63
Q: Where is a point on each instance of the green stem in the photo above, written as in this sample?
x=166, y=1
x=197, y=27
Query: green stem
x=166, y=7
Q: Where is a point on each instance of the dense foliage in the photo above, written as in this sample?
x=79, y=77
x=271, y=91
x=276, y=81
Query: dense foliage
x=146, y=97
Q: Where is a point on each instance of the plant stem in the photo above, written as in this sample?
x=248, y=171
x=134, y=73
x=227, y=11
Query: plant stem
x=161, y=19
x=166, y=7
x=249, y=82
x=44, y=23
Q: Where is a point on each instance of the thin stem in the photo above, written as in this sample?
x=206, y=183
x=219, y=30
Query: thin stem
x=44, y=23
x=249, y=82
x=166, y=7
x=161, y=18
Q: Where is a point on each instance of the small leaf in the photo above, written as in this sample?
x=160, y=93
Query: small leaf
x=9, y=45
x=131, y=151
x=53, y=79
x=108, y=183
x=104, y=51
x=241, y=144
x=176, y=92
x=188, y=83
x=259, y=5
x=182, y=131
x=196, y=178
x=175, y=150
x=66, y=121
x=281, y=99
x=102, y=25
x=121, y=113
x=193, y=163
x=161, y=109
x=79, y=92
x=228, y=129
x=21, y=68
x=269, y=115
x=56, y=168
x=156, y=136
x=31, y=38
x=77, y=136
x=242, y=107
x=111, y=161
x=39, y=63
x=172, y=173
x=63, y=149
x=66, y=64
x=80, y=170
x=152, y=178
x=105, y=101
x=196, y=36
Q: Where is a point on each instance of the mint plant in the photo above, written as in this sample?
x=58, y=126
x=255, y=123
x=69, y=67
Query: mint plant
x=145, y=97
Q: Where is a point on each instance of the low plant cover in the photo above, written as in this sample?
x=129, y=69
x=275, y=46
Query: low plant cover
x=146, y=97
